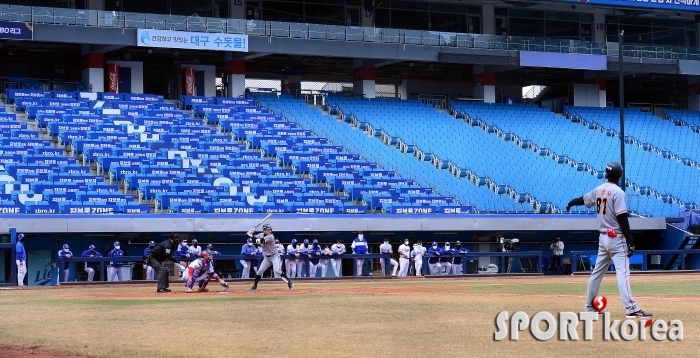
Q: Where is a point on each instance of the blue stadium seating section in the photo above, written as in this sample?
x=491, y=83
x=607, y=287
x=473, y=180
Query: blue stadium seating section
x=135, y=153
x=654, y=171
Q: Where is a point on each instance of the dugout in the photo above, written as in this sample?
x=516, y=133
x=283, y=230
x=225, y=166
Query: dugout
x=476, y=232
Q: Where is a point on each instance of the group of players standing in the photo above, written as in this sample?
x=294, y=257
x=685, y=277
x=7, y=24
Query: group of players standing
x=313, y=256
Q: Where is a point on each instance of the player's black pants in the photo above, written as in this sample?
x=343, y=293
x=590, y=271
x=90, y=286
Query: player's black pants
x=558, y=264
x=161, y=271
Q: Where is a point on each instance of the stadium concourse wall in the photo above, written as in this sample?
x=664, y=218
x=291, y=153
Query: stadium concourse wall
x=134, y=223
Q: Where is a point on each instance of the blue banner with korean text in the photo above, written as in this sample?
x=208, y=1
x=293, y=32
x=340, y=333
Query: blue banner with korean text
x=675, y=5
x=191, y=40
x=16, y=30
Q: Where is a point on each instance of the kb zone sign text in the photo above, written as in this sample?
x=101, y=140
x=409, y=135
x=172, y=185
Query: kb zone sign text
x=568, y=322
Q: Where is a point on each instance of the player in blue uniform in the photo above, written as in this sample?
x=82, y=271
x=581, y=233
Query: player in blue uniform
x=150, y=273
x=446, y=262
x=248, y=250
x=183, y=254
x=21, y=260
x=65, y=254
x=457, y=263
x=359, y=247
x=314, y=257
x=434, y=261
x=291, y=262
x=90, y=267
x=115, y=267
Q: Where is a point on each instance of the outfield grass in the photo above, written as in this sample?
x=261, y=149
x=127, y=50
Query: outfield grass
x=396, y=318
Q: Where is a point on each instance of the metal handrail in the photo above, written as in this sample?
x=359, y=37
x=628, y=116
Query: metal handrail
x=117, y=19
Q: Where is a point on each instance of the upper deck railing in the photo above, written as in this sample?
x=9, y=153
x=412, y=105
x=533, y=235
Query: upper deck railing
x=116, y=19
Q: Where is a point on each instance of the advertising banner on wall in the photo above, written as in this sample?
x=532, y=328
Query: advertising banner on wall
x=39, y=268
x=188, y=86
x=16, y=30
x=113, y=78
x=191, y=40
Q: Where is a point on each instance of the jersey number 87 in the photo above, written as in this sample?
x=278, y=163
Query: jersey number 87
x=604, y=203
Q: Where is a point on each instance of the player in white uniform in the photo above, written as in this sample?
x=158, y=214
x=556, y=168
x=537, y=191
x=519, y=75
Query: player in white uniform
x=385, y=248
x=292, y=263
x=323, y=264
x=302, y=253
x=270, y=256
x=615, y=241
x=404, y=258
x=417, y=256
x=337, y=251
x=280, y=251
x=195, y=250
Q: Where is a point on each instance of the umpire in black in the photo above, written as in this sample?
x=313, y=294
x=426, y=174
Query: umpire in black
x=163, y=251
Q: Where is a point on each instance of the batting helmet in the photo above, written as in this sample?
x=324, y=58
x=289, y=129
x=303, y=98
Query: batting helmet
x=151, y=243
x=315, y=241
x=210, y=246
x=20, y=236
x=613, y=171
x=267, y=227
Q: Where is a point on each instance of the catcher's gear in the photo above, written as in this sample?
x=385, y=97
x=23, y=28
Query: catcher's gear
x=224, y=285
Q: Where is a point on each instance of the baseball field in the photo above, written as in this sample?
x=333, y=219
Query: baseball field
x=411, y=317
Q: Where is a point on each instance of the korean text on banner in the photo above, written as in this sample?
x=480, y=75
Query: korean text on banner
x=16, y=30
x=191, y=40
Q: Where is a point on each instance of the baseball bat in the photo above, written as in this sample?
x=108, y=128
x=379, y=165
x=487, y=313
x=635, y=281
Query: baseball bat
x=263, y=220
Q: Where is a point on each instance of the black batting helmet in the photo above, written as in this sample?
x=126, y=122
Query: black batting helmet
x=613, y=171
x=267, y=227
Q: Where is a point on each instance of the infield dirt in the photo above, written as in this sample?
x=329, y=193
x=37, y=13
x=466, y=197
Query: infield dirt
x=396, y=318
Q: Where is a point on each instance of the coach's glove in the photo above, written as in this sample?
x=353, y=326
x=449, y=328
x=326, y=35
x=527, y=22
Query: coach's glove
x=630, y=250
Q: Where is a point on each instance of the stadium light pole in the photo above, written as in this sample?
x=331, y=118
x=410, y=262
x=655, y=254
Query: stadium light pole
x=622, y=108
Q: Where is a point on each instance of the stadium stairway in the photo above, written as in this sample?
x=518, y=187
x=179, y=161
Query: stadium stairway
x=391, y=130
x=482, y=196
x=645, y=161
x=569, y=142
x=217, y=156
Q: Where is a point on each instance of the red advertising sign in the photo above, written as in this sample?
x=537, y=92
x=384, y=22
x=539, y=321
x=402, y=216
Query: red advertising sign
x=113, y=78
x=188, y=86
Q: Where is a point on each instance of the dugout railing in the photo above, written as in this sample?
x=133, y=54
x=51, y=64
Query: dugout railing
x=640, y=257
x=504, y=257
x=103, y=261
